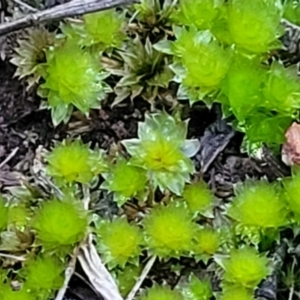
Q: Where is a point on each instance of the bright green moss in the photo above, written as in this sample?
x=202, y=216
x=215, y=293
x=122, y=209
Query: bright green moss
x=198, y=197
x=292, y=195
x=60, y=223
x=259, y=205
x=169, y=230
x=282, y=89
x=161, y=293
x=72, y=79
x=243, y=86
x=127, y=277
x=44, y=273
x=197, y=289
x=206, y=62
x=267, y=127
x=236, y=293
x=104, y=29
x=125, y=181
x=74, y=162
x=6, y=293
x=119, y=242
x=254, y=25
x=245, y=268
x=163, y=152
x=3, y=214
x=207, y=241
x=200, y=13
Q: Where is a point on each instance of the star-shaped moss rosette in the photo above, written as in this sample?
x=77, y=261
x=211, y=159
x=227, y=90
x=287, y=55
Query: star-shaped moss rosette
x=198, y=197
x=101, y=30
x=207, y=242
x=144, y=71
x=59, y=224
x=169, y=230
x=163, y=151
x=245, y=268
x=126, y=182
x=255, y=25
x=73, y=78
x=31, y=52
x=258, y=205
x=119, y=242
x=200, y=62
x=73, y=162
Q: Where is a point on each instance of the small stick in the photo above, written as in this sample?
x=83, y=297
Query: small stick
x=141, y=278
x=9, y=157
x=69, y=9
x=18, y=258
x=68, y=275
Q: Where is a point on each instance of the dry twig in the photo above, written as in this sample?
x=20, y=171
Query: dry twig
x=70, y=9
x=141, y=278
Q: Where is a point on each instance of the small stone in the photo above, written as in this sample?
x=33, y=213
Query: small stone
x=290, y=153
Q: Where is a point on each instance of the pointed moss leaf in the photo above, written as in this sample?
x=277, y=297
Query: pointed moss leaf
x=44, y=273
x=118, y=242
x=245, y=267
x=61, y=113
x=255, y=25
x=163, y=46
x=60, y=223
x=191, y=147
x=259, y=205
x=161, y=293
x=169, y=230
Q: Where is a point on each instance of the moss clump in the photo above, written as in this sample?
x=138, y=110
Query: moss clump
x=60, y=223
x=169, y=230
